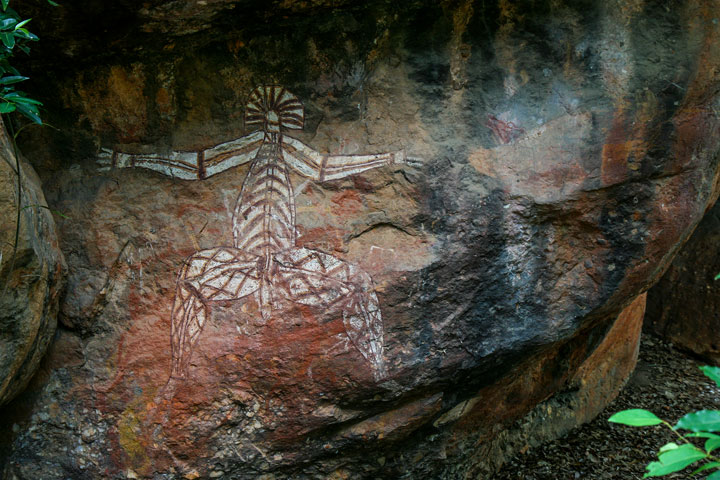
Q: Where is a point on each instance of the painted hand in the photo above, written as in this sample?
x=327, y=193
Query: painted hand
x=104, y=158
x=400, y=157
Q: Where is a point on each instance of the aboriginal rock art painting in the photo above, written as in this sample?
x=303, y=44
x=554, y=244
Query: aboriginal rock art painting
x=504, y=132
x=264, y=261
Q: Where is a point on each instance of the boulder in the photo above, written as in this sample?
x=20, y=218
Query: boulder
x=252, y=299
x=31, y=272
x=684, y=306
x=594, y=385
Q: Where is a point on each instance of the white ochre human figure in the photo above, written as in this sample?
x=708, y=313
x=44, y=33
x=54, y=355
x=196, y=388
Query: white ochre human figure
x=264, y=260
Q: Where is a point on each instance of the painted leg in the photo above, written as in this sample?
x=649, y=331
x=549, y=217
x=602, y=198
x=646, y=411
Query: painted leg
x=310, y=277
x=188, y=319
x=363, y=321
x=218, y=274
x=265, y=300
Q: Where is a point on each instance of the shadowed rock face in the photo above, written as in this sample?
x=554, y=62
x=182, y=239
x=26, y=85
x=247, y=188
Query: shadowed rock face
x=31, y=273
x=566, y=151
x=683, y=305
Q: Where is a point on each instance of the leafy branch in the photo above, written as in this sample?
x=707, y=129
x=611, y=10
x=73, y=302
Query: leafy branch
x=673, y=457
x=14, y=34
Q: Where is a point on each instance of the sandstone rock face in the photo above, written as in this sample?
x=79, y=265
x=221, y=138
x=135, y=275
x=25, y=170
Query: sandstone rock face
x=684, y=306
x=31, y=276
x=283, y=311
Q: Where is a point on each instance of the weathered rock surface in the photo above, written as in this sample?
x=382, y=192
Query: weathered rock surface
x=31, y=275
x=684, y=306
x=566, y=150
x=595, y=384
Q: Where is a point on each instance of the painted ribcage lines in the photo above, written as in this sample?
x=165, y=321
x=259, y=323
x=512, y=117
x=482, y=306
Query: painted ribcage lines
x=264, y=218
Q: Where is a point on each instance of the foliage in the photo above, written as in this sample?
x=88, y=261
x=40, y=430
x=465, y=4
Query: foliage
x=673, y=457
x=14, y=34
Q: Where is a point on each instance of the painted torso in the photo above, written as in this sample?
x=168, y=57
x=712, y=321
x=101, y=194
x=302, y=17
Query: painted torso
x=264, y=217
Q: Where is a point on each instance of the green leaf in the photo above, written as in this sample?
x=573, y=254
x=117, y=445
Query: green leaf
x=717, y=276
x=25, y=34
x=7, y=23
x=668, y=446
x=5, y=4
x=7, y=40
x=27, y=100
x=713, y=373
x=30, y=111
x=674, y=460
x=702, y=435
x=655, y=469
x=714, y=476
x=22, y=24
x=9, y=68
x=6, y=107
x=53, y=3
x=12, y=79
x=711, y=444
x=682, y=453
x=635, y=417
x=700, y=421
x=707, y=466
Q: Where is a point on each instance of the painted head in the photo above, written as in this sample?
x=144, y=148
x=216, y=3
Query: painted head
x=273, y=109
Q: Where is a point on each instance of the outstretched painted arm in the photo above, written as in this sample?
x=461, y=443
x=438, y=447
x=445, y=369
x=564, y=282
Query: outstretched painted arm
x=189, y=165
x=321, y=167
